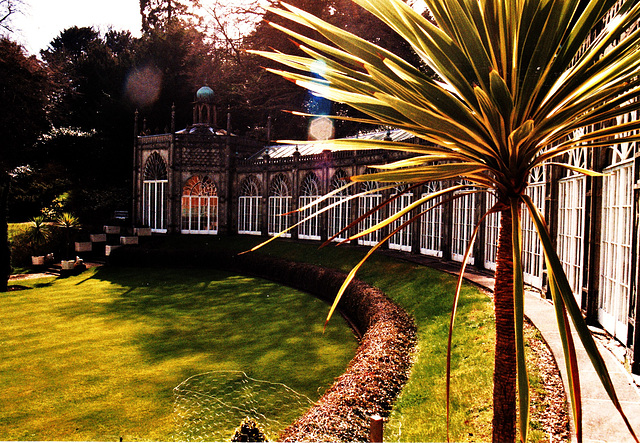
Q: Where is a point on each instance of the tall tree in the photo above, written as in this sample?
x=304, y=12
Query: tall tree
x=516, y=88
x=176, y=56
x=92, y=119
x=24, y=86
x=162, y=14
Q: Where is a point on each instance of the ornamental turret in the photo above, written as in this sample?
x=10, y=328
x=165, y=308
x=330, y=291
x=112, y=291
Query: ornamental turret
x=204, y=109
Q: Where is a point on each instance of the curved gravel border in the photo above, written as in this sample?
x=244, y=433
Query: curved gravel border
x=383, y=360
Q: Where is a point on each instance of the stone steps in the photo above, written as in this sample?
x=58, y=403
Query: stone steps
x=112, y=237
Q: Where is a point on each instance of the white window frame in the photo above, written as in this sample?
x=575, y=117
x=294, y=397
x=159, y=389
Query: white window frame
x=309, y=229
x=571, y=218
x=464, y=219
x=401, y=241
x=431, y=224
x=338, y=216
x=199, y=214
x=279, y=204
x=154, y=193
x=492, y=232
x=277, y=221
x=154, y=205
x=249, y=214
x=199, y=211
x=339, y=211
x=532, y=252
x=615, y=249
x=250, y=208
x=365, y=204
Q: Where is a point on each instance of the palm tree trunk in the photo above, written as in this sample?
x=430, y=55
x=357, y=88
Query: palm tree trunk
x=504, y=375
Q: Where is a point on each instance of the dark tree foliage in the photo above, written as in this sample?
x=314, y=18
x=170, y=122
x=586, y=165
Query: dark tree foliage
x=90, y=71
x=178, y=57
x=276, y=94
x=24, y=87
x=160, y=15
x=92, y=118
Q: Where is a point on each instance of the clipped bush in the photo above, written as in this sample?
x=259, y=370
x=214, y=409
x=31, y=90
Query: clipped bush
x=248, y=431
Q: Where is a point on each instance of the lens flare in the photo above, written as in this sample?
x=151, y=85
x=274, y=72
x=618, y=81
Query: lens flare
x=321, y=128
x=143, y=85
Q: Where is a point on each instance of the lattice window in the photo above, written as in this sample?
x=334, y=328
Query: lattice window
x=431, y=223
x=339, y=215
x=571, y=213
x=401, y=240
x=279, y=205
x=199, y=206
x=249, y=207
x=155, y=168
x=624, y=151
x=366, y=203
x=492, y=230
x=615, y=250
x=154, y=193
x=309, y=192
x=532, y=253
x=464, y=218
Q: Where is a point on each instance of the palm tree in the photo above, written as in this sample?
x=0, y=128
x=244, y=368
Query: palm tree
x=68, y=223
x=38, y=233
x=514, y=83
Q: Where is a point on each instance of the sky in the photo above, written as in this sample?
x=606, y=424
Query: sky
x=40, y=21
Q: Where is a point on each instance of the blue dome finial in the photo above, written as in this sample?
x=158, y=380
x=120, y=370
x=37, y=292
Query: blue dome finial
x=205, y=94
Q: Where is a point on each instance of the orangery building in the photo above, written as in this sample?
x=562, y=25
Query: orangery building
x=204, y=180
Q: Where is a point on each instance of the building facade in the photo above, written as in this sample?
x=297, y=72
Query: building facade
x=204, y=180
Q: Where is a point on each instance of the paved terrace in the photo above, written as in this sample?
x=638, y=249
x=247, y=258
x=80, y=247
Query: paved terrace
x=601, y=421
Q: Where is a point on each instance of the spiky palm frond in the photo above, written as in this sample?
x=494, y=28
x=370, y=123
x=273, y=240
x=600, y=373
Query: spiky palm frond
x=515, y=87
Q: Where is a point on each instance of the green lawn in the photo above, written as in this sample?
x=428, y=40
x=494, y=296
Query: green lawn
x=96, y=357
x=419, y=413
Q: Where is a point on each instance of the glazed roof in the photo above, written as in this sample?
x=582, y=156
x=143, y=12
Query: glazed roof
x=281, y=151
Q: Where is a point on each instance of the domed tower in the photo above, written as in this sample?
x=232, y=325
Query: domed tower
x=204, y=109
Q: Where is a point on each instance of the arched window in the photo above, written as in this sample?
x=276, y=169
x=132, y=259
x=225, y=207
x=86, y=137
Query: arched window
x=309, y=191
x=366, y=203
x=339, y=206
x=154, y=193
x=199, y=206
x=249, y=207
x=279, y=205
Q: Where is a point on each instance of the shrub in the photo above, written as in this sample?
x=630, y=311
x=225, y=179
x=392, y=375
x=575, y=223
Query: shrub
x=248, y=431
